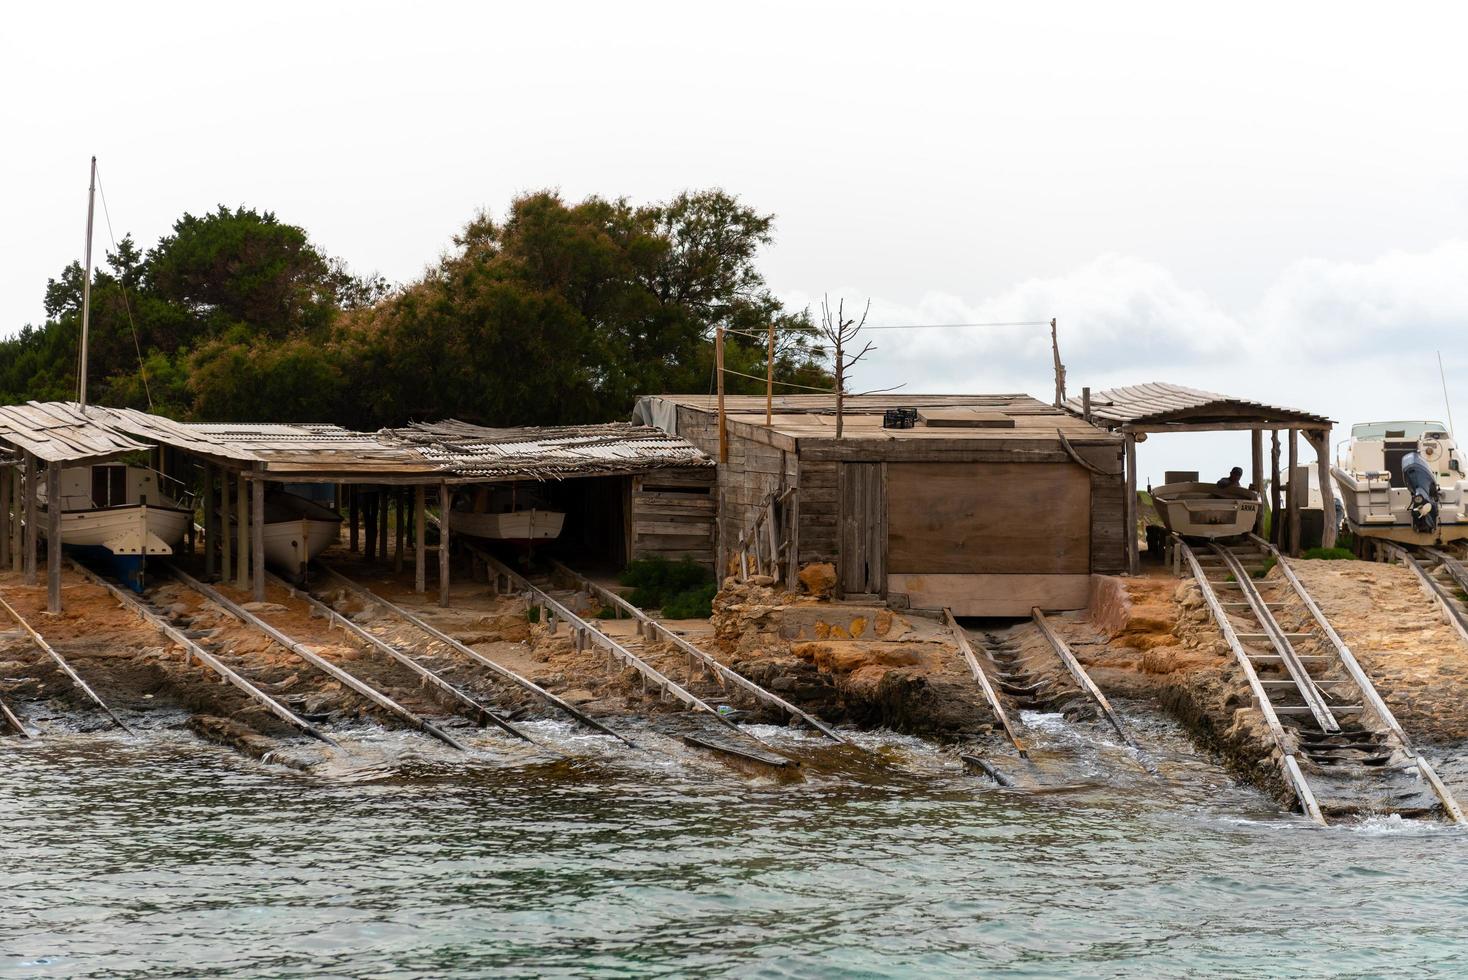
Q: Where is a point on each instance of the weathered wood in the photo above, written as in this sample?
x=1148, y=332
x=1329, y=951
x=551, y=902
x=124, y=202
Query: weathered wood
x=1129, y=506
x=1299, y=491
x=226, y=537
x=32, y=521
x=53, y=538
x=420, y=539
x=503, y=672
x=211, y=521
x=1321, y=442
x=427, y=674
x=381, y=506
x=17, y=520
x=9, y=718
x=1063, y=651
x=400, y=498
x=1276, y=518
x=1257, y=460
x=192, y=649
x=763, y=758
x=990, y=695
x=445, y=507
x=353, y=507
x=257, y=538
x=992, y=595
x=50, y=651
x=345, y=678
x=7, y=474
x=242, y=531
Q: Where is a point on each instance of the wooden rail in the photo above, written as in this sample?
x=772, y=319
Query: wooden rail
x=558, y=609
x=1431, y=587
x=499, y=669
x=12, y=721
x=1362, y=681
x=1294, y=778
x=721, y=671
x=990, y=694
x=1063, y=651
x=76, y=679
x=350, y=681
x=429, y=676
x=192, y=649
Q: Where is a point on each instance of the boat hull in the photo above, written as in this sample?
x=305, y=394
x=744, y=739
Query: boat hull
x=122, y=538
x=290, y=545
x=518, y=525
x=1203, y=510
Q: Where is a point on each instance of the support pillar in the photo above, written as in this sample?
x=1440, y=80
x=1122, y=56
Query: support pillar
x=352, y=519
x=1321, y=441
x=53, y=538
x=226, y=540
x=242, y=531
x=17, y=522
x=420, y=543
x=1257, y=435
x=211, y=522
x=368, y=510
x=1129, y=505
x=443, y=543
x=400, y=498
x=6, y=475
x=257, y=536
x=1276, y=519
x=384, y=497
x=32, y=521
x=1298, y=490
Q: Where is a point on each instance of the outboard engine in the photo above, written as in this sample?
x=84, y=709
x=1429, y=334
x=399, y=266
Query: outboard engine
x=1420, y=480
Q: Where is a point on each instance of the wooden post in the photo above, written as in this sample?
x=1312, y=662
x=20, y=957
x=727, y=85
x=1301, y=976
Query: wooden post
x=53, y=537
x=1258, y=453
x=1276, y=522
x=242, y=529
x=382, y=502
x=1059, y=367
x=369, y=525
x=400, y=497
x=1129, y=506
x=32, y=521
x=770, y=377
x=443, y=542
x=226, y=540
x=1321, y=441
x=352, y=518
x=257, y=536
x=1086, y=404
x=6, y=475
x=211, y=522
x=1293, y=501
x=719, y=371
x=17, y=549
x=420, y=543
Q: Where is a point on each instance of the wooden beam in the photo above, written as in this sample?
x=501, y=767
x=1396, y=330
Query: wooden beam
x=1129, y=506
x=257, y=538
x=211, y=521
x=17, y=521
x=1197, y=426
x=242, y=531
x=1320, y=442
x=444, y=506
x=1276, y=524
x=53, y=538
x=352, y=518
x=420, y=543
x=382, y=501
x=226, y=545
x=1293, y=501
x=7, y=473
x=32, y=521
x=1257, y=445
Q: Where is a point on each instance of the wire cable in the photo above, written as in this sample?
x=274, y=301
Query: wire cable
x=126, y=305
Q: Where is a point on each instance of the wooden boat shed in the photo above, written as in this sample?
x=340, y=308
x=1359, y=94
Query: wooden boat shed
x=1135, y=411
x=986, y=504
x=616, y=476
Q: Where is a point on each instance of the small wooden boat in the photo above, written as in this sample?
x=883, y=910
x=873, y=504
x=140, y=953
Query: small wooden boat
x=516, y=525
x=117, y=513
x=1206, y=510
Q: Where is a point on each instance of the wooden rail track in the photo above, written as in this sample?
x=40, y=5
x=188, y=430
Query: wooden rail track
x=1083, y=679
x=193, y=650
x=960, y=636
x=498, y=669
x=347, y=679
x=12, y=721
x=1363, y=682
x=66, y=668
x=648, y=624
x=428, y=675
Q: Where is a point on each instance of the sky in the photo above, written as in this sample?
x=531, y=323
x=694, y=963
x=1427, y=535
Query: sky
x=1265, y=200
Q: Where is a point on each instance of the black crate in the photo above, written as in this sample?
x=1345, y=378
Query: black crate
x=899, y=418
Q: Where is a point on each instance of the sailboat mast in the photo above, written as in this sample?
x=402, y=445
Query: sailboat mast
x=81, y=384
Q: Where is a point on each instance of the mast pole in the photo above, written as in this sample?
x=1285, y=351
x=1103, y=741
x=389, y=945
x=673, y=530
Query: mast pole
x=81, y=384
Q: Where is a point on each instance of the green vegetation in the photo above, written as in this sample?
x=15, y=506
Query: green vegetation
x=681, y=590
x=1329, y=554
x=1265, y=568
x=558, y=313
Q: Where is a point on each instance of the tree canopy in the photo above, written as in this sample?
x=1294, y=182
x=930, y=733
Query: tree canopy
x=557, y=313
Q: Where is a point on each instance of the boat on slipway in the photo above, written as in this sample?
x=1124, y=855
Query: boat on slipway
x=1206, y=510
x=1402, y=481
x=296, y=531
x=506, y=514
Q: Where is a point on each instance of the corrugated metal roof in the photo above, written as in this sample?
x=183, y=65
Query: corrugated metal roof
x=62, y=432
x=1159, y=403
x=548, y=453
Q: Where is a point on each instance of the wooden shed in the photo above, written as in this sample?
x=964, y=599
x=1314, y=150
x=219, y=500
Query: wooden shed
x=986, y=504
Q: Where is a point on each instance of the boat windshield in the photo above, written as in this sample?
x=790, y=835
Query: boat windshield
x=1395, y=430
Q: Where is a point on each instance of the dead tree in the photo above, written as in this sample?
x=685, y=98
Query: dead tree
x=841, y=333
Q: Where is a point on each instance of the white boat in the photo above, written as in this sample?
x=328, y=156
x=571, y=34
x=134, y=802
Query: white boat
x=1206, y=510
x=118, y=510
x=514, y=525
x=1402, y=481
x=296, y=531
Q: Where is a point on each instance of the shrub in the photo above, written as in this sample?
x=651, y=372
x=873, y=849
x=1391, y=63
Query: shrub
x=696, y=603
x=1329, y=554
x=682, y=589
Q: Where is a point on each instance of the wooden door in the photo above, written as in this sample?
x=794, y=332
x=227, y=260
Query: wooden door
x=861, y=545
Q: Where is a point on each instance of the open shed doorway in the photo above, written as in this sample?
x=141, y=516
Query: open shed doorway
x=594, y=532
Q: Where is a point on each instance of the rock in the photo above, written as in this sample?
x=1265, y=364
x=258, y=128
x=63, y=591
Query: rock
x=764, y=580
x=177, y=610
x=265, y=607
x=819, y=578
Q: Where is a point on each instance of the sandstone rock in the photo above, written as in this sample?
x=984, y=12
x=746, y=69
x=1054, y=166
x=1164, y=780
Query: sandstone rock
x=263, y=607
x=819, y=578
x=765, y=580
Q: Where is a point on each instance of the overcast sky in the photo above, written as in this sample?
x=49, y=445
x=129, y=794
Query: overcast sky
x=1266, y=200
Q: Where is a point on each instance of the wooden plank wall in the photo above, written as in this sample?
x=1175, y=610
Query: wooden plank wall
x=673, y=513
x=754, y=471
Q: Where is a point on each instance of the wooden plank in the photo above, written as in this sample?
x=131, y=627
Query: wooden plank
x=50, y=651
x=992, y=595
x=17, y=525
x=990, y=695
x=211, y=520
x=445, y=505
x=226, y=539
x=53, y=538
x=9, y=717
x=257, y=539
x=242, y=531
x=32, y=521
x=7, y=474
x=988, y=518
x=1257, y=461
x=420, y=541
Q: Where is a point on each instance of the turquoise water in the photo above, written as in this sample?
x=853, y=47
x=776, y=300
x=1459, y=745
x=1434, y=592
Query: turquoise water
x=161, y=856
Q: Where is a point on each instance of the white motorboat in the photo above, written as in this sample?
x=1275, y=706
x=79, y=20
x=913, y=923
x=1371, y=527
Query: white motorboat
x=1402, y=481
x=515, y=525
x=296, y=531
x=117, y=511
x=1206, y=510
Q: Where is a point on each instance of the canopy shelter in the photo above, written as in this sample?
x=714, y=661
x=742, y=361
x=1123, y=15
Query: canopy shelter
x=1137, y=410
